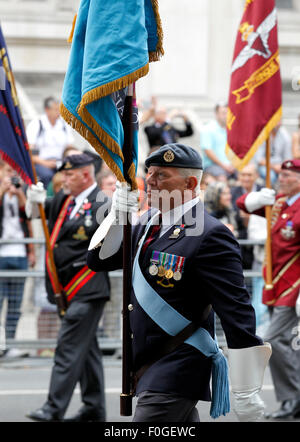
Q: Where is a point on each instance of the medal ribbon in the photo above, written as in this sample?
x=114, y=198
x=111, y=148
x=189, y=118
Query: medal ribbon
x=179, y=264
x=171, y=261
x=155, y=256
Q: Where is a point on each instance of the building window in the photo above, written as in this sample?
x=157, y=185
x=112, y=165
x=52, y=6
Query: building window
x=284, y=4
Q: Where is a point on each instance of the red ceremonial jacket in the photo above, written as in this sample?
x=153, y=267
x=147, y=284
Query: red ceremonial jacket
x=285, y=235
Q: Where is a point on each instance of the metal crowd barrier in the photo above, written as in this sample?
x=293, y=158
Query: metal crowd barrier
x=36, y=322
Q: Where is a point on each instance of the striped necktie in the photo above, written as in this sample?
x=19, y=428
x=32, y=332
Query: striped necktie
x=152, y=234
x=70, y=208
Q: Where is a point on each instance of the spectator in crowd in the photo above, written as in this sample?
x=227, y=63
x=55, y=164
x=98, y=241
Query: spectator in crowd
x=296, y=141
x=13, y=225
x=207, y=179
x=257, y=230
x=247, y=182
x=107, y=182
x=281, y=150
x=145, y=113
x=48, y=136
x=218, y=203
x=213, y=142
x=162, y=131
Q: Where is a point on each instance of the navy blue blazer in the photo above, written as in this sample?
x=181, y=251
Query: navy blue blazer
x=212, y=274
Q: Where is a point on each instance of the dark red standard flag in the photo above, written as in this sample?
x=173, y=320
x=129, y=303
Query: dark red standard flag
x=255, y=91
x=13, y=141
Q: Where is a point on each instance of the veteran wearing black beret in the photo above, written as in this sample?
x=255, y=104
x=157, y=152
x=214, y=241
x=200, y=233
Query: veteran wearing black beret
x=71, y=215
x=175, y=155
x=77, y=161
x=185, y=262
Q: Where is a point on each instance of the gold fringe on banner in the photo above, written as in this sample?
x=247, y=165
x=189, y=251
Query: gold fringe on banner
x=101, y=134
x=239, y=163
x=132, y=176
x=70, y=39
x=85, y=133
x=113, y=86
x=155, y=56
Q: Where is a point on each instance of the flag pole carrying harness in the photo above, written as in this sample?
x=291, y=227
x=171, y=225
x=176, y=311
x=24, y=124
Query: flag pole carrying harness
x=172, y=322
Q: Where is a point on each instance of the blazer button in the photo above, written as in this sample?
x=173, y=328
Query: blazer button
x=130, y=307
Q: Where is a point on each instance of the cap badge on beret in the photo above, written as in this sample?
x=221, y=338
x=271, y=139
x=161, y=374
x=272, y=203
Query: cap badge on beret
x=288, y=164
x=68, y=165
x=169, y=156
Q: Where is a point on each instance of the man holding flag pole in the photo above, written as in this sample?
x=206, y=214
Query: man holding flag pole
x=94, y=109
x=255, y=108
x=108, y=56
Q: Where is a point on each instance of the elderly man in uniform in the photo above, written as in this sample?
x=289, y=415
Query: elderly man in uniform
x=283, y=298
x=185, y=262
x=72, y=222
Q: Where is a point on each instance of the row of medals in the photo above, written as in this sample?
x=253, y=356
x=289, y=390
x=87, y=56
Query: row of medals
x=87, y=214
x=161, y=271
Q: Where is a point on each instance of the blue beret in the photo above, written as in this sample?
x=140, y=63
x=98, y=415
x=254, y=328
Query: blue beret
x=175, y=155
x=76, y=161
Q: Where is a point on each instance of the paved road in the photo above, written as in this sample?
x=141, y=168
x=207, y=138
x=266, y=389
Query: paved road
x=24, y=385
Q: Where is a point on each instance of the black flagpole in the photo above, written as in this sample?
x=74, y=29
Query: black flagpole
x=126, y=395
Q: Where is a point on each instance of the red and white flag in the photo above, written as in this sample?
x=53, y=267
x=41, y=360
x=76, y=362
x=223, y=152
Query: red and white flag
x=255, y=98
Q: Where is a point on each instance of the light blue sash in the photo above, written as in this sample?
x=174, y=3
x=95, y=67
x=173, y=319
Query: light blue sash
x=172, y=322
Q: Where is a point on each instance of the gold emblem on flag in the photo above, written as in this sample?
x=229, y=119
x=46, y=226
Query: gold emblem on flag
x=230, y=119
x=246, y=29
x=169, y=156
x=259, y=77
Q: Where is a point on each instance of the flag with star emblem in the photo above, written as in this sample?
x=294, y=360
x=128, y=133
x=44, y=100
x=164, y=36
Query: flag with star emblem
x=255, y=97
x=14, y=148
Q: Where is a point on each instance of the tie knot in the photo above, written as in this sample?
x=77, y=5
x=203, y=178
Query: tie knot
x=152, y=233
x=70, y=207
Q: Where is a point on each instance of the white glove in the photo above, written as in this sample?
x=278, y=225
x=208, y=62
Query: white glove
x=297, y=306
x=110, y=230
x=257, y=200
x=36, y=194
x=124, y=199
x=246, y=369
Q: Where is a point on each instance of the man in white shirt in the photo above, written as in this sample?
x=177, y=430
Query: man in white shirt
x=48, y=137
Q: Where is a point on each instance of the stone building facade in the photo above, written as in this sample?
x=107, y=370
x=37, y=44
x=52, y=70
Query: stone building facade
x=199, y=37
